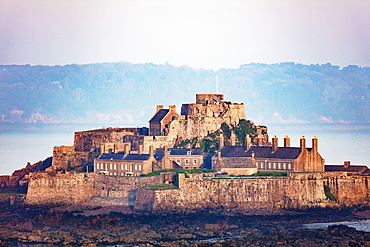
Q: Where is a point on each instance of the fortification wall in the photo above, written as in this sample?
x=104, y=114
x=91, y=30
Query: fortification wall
x=63, y=157
x=67, y=189
x=87, y=141
x=60, y=189
x=292, y=192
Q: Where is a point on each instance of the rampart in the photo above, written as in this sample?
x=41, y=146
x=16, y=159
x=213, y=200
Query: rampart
x=47, y=188
x=196, y=192
x=304, y=190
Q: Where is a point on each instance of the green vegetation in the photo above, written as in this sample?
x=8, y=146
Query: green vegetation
x=186, y=171
x=328, y=194
x=210, y=142
x=273, y=174
x=258, y=174
x=160, y=187
x=11, y=193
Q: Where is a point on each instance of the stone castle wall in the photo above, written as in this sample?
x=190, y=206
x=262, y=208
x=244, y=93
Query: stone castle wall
x=300, y=190
x=67, y=189
x=60, y=189
x=63, y=157
x=292, y=192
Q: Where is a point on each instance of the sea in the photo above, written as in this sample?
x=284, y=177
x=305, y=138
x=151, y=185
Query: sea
x=337, y=142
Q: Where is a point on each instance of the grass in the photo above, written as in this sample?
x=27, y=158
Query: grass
x=186, y=171
x=160, y=187
x=273, y=174
x=258, y=174
x=10, y=194
x=328, y=194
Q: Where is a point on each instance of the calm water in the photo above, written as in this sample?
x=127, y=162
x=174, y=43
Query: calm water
x=336, y=144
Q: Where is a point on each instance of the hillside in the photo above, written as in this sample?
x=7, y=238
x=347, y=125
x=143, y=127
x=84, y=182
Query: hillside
x=124, y=94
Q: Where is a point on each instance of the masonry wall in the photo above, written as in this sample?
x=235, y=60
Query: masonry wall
x=292, y=192
x=63, y=157
x=66, y=189
x=60, y=189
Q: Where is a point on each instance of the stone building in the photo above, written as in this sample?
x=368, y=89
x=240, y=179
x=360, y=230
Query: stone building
x=124, y=164
x=350, y=169
x=179, y=158
x=273, y=158
x=234, y=160
x=291, y=159
x=159, y=123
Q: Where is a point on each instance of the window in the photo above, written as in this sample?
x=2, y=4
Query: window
x=115, y=166
x=274, y=165
x=195, y=162
x=289, y=166
x=121, y=166
x=186, y=161
x=284, y=166
x=111, y=166
x=279, y=165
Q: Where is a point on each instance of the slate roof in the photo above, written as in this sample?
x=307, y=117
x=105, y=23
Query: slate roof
x=261, y=152
x=124, y=157
x=340, y=168
x=157, y=118
x=177, y=151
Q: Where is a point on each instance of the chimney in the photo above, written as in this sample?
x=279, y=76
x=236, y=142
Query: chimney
x=219, y=155
x=274, y=143
x=315, y=144
x=140, y=149
x=172, y=108
x=151, y=151
x=102, y=151
x=233, y=139
x=221, y=141
x=126, y=149
x=302, y=144
x=159, y=107
x=259, y=141
x=286, y=141
x=248, y=142
x=346, y=164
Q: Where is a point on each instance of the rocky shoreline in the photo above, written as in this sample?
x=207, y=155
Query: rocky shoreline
x=26, y=226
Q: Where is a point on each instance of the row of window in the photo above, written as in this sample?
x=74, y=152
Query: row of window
x=274, y=166
x=113, y=166
x=186, y=162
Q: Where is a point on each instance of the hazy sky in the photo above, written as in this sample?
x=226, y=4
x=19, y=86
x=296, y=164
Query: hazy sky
x=202, y=34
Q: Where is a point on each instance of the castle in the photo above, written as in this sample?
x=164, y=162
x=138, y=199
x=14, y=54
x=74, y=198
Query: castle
x=135, y=151
x=126, y=153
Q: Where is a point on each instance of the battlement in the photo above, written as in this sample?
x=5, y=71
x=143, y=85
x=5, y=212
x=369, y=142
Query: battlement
x=209, y=99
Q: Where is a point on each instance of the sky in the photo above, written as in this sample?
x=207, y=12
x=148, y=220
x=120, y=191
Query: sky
x=209, y=34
